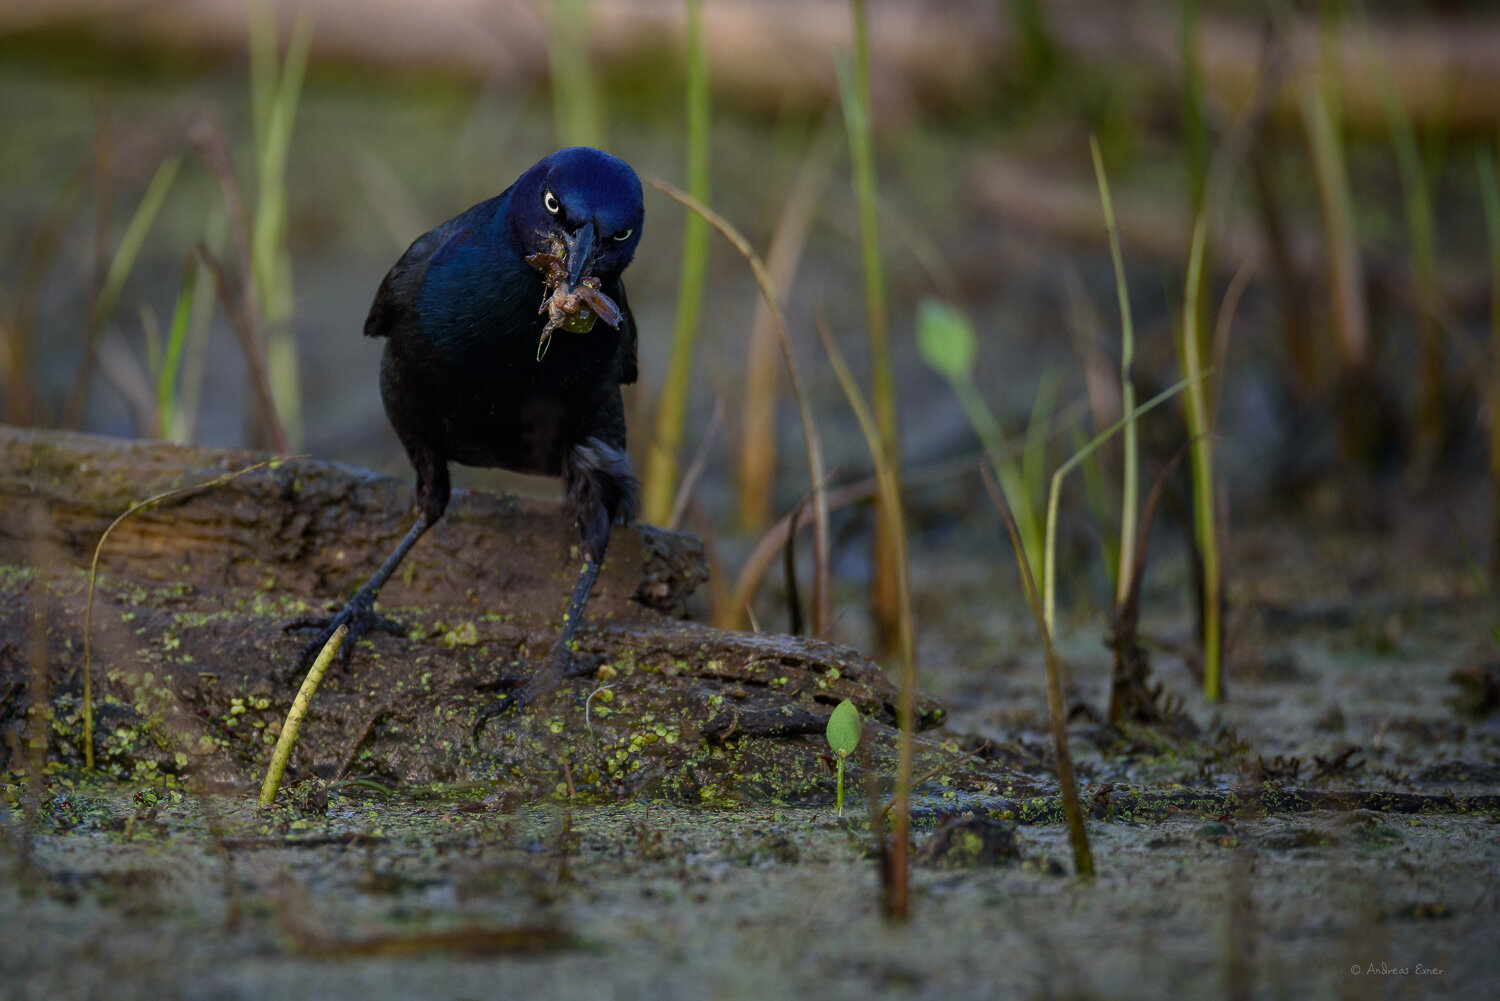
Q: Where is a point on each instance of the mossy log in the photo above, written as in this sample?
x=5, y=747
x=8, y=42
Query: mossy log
x=309, y=528
x=192, y=671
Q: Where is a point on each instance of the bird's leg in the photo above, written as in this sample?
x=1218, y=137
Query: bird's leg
x=359, y=614
x=559, y=660
x=574, y=614
x=603, y=489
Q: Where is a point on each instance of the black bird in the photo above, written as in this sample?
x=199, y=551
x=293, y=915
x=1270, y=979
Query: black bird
x=476, y=370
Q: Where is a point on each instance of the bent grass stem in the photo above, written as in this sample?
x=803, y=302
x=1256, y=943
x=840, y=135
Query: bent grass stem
x=822, y=612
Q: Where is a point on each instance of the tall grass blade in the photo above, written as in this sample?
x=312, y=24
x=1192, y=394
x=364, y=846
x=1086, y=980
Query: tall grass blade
x=1489, y=191
x=195, y=360
x=1321, y=116
x=274, y=137
x=660, y=484
x=890, y=497
x=822, y=611
x=574, y=97
x=1130, y=486
x=1194, y=118
x=854, y=91
x=1196, y=141
x=1200, y=430
x=1416, y=191
x=263, y=71
x=18, y=336
x=758, y=448
x=1078, y=835
x=1100, y=502
x=1036, y=51
x=275, y=99
x=1099, y=372
x=1038, y=432
x=121, y=263
x=238, y=293
x=946, y=341
x=1049, y=572
x=177, y=336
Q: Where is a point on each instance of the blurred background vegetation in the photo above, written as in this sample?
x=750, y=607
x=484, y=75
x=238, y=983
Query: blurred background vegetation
x=199, y=198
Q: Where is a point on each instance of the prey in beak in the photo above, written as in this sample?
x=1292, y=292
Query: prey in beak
x=573, y=300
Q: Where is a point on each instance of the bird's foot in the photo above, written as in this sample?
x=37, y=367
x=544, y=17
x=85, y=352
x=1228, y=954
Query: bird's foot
x=561, y=663
x=359, y=615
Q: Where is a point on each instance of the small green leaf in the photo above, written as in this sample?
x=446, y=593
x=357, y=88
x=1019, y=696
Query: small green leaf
x=843, y=729
x=946, y=339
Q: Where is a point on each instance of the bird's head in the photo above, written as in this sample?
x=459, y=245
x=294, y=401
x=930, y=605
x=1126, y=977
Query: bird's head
x=584, y=201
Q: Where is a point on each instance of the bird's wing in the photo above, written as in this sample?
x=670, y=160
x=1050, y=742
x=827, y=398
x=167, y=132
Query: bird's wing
x=628, y=371
x=395, y=301
x=396, y=298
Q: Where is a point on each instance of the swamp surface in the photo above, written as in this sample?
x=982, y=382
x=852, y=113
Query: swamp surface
x=1340, y=812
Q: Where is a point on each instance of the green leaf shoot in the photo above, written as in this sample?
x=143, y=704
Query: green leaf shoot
x=843, y=731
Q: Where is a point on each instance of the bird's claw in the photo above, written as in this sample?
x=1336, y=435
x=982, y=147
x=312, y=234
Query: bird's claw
x=358, y=615
x=583, y=665
x=515, y=699
x=560, y=664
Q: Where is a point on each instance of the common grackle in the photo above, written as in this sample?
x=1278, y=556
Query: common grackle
x=477, y=371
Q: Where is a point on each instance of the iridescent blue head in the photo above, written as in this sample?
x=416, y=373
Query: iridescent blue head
x=589, y=200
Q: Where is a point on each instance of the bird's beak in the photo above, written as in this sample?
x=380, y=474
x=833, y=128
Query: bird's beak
x=580, y=259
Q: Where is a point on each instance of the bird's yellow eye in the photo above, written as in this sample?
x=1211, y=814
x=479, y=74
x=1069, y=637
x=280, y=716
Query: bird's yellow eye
x=549, y=200
x=624, y=236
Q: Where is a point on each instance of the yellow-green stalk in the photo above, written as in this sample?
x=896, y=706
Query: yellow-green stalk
x=288, y=737
x=1200, y=429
